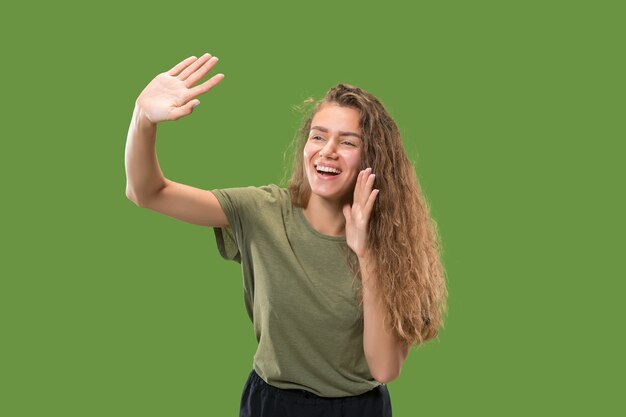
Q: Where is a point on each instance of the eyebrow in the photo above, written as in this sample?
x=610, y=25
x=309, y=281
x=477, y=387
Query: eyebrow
x=323, y=129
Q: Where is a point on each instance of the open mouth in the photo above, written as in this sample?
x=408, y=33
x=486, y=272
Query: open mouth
x=326, y=173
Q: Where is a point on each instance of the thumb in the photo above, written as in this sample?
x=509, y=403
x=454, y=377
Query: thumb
x=185, y=110
x=346, y=211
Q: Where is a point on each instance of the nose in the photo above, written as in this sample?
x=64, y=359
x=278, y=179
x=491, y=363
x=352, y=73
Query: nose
x=329, y=147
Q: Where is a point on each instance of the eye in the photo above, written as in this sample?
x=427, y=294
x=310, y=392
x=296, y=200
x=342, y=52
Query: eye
x=349, y=143
x=315, y=137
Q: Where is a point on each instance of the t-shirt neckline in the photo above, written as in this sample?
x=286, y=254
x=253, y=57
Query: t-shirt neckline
x=315, y=232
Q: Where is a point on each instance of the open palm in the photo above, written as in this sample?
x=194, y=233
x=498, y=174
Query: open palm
x=171, y=95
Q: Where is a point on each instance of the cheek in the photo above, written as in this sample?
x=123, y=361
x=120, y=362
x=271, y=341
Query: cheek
x=355, y=162
x=309, y=152
x=305, y=162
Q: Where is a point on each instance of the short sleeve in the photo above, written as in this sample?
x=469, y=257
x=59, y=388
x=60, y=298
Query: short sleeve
x=240, y=205
x=227, y=244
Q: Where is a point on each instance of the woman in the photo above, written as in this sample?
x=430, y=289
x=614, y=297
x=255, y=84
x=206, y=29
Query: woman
x=340, y=278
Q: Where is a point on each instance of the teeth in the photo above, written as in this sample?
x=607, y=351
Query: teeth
x=327, y=169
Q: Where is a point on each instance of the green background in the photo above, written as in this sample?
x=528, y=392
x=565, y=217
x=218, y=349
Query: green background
x=513, y=113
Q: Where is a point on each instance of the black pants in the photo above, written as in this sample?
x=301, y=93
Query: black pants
x=259, y=399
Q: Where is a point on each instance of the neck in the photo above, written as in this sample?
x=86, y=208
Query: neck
x=325, y=216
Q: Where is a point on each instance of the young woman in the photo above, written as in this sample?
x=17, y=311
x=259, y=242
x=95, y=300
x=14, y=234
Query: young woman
x=341, y=269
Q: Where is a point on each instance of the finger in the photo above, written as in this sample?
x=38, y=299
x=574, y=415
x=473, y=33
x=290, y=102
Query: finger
x=181, y=65
x=201, y=72
x=193, y=67
x=370, y=203
x=366, y=172
x=357, y=188
x=368, y=181
x=206, y=86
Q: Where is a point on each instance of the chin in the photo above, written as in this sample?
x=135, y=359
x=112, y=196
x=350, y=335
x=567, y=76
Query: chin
x=329, y=195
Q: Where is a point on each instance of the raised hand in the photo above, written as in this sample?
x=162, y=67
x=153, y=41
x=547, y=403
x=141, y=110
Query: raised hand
x=171, y=95
x=358, y=215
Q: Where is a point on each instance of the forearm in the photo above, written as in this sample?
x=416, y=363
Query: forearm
x=384, y=352
x=143, y=174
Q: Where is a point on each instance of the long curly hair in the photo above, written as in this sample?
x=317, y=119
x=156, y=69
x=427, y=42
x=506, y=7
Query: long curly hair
x=402, y=234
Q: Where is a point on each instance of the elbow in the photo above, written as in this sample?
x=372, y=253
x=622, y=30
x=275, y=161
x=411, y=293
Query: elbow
x=387, y=372
x=132, y=198
x=385, y=376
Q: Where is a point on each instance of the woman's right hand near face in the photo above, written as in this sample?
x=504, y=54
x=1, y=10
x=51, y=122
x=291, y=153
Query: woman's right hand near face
x=171, y=95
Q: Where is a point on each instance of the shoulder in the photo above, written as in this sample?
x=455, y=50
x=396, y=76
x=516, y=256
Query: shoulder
x=255, y=195
x=275, y=191
x=271, y=193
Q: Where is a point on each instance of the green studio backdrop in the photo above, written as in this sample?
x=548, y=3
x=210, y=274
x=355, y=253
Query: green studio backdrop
x=512, y=113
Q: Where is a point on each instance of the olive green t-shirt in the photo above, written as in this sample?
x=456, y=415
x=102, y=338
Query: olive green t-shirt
x=298, y=293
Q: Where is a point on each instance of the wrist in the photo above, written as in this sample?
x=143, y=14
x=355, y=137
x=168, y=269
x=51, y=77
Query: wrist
x=142, y=121
x=364, y=258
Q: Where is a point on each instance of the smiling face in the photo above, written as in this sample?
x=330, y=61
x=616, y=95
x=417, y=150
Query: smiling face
x=335, y=132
